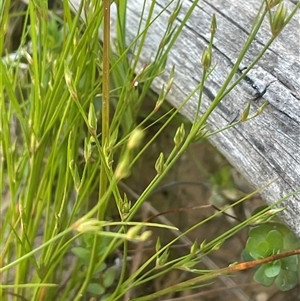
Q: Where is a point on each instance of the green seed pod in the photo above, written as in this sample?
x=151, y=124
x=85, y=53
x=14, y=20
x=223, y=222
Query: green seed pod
x=175, y=13
x=87, y=151
x=75, y=174
x=160, y=164
x=92, y=120
x=157, y=245
x=245, y=113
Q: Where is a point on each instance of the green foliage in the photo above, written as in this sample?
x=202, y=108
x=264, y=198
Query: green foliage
x=64, y=154
x=269, y=239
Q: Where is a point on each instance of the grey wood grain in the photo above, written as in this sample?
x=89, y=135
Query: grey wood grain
x=267, y=147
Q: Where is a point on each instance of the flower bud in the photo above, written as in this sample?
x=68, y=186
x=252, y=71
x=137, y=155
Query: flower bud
x=92, y=120
x=218, y=245
x=135, y=138
x=171, y=79
x=203, y=244
x=175, y=13
x=272, y=3
x=145, y=235
x=125, y=207
x=194, y=248
x=261, y=108
x=161, y=260
x=161, y=98
x=179, y=136
x=133, y=232
x=206, y=59
x=90, y=225
x=157, y=245
x=69, y=83
x=87, y=151
x=160, y=164
x=166, y=39
x=278, y=20
x=213, y=26
x=75, y=174
x=245, y=113
x=122, y=170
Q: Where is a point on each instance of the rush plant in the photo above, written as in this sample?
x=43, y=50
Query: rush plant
x=71, y=130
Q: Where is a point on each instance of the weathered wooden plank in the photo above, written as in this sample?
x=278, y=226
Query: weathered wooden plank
x=267, y=147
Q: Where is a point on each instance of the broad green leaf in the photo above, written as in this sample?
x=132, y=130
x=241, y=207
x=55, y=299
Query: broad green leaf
x=286, y=280
x=290, y=263
x=291, y=242
x=264, y=249
x=246, y=256
x=101, y=268
x=272, y=269
x=258, y=249
x=109, y=276
x=260, y=232
x=83, y=253
x=275, y=239
x=261, y=277
x=96, y=289
x=105, y=297
x=88, y=239
x=251, y=248
x=283, y=229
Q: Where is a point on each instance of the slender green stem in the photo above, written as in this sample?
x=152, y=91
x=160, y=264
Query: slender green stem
x=105, y=104
x=105, y=139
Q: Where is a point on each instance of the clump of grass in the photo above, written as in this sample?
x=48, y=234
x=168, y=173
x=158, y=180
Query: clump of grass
x=70, y=132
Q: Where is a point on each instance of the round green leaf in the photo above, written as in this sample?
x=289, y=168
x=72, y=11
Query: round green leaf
x=260, y=232
x=264, y=249
x=105, y=297
x=290, y=263
x=261, y=277
x=88, y=238
x=257, y=249
x=251, y=248
x=291, y=242
x=283, y=229
x=251, y=245
x=272, y=269
x=101, y=268
x=275, y=239
x=83, y=253
x=109, y=276
x=286, y=280
x=246, y=256
x=96, y=289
